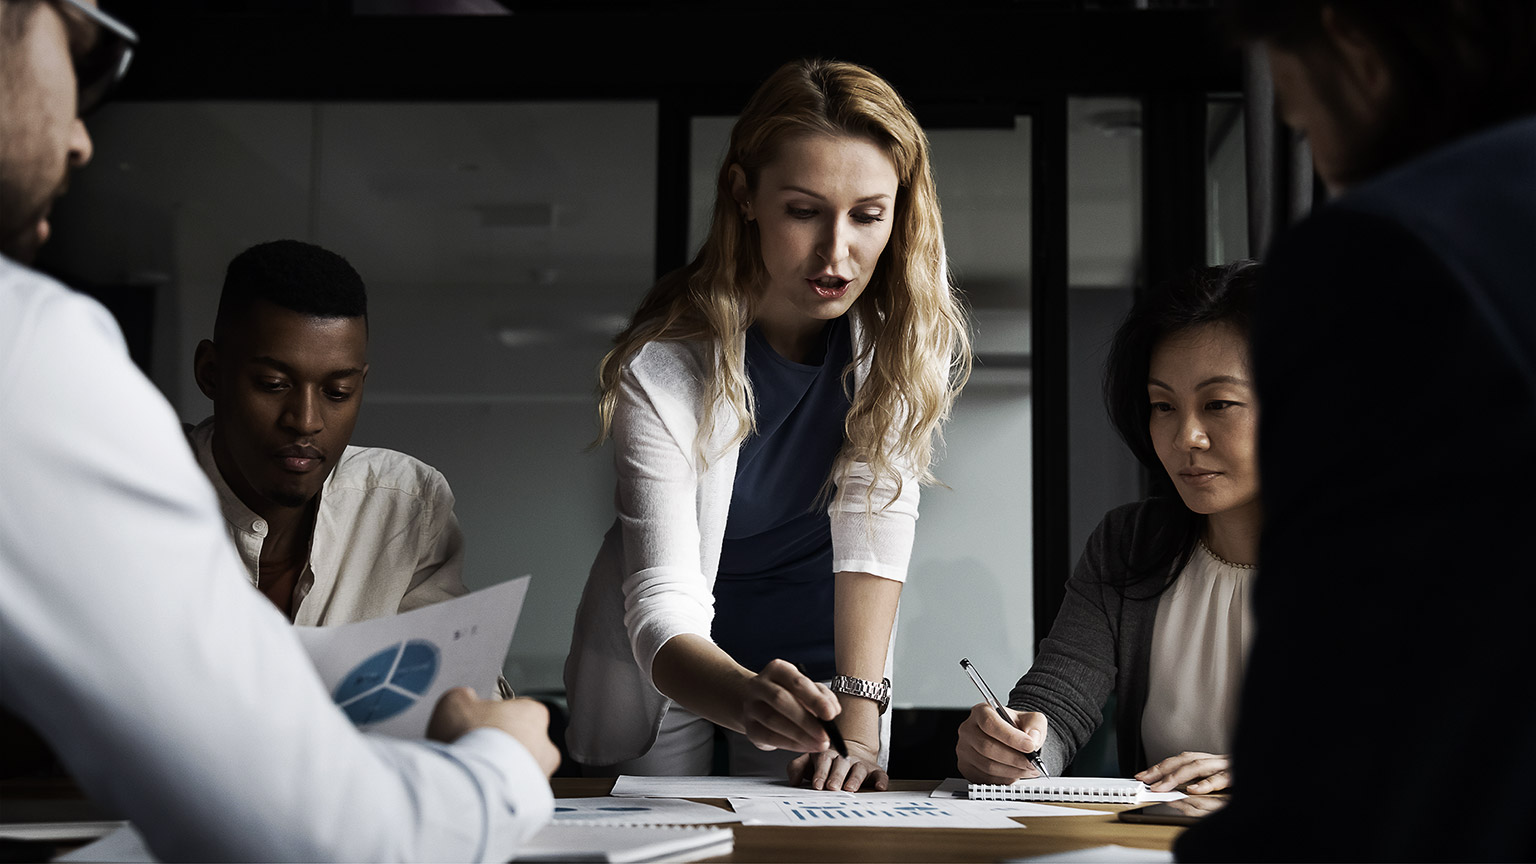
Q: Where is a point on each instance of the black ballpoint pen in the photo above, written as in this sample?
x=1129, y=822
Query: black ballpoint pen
x=986, y=692
x=833, y=734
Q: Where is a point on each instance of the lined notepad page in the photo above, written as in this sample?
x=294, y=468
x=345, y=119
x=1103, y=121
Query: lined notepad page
x=1113, y=790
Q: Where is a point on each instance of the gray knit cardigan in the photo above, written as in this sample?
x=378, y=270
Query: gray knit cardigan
x=1100, y=641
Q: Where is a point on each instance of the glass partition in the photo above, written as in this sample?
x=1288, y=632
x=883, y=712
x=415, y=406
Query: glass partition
x=502, y=244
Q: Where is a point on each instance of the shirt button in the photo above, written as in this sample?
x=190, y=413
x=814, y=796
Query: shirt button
x=259, y=526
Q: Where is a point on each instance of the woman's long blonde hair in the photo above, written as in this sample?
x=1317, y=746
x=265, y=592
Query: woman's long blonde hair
x=916, y=334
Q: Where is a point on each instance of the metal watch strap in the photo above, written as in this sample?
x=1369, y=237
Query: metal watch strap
x=878, y=693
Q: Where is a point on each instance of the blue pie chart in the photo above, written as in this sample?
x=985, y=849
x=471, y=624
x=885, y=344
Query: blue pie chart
x=388, y=683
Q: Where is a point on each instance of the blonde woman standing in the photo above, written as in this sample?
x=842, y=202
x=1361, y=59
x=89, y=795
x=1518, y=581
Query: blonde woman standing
x=773, y=407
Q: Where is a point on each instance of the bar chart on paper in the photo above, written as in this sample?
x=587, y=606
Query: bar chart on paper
x=893, y=812
x=850, y=813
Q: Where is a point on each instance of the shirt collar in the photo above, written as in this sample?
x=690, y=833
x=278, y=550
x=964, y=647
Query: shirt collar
x=235, y=511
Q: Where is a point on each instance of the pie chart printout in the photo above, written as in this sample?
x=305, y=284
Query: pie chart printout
x=389, y=682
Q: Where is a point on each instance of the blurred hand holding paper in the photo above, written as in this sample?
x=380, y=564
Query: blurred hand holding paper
x=388, y=673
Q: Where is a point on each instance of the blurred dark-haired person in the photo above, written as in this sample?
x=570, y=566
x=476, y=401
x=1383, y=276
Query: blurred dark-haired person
x=330, y=533
x=173, y=694
x=1396, y=359
x=1157, y=611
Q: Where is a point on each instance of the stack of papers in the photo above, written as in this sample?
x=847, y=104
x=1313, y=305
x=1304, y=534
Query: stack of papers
x=555, y=842
x=624, y=843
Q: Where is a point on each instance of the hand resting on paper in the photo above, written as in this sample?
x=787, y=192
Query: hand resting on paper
x=991, y=751
x=827, y=770
x=1204, y=772
x=460, y=710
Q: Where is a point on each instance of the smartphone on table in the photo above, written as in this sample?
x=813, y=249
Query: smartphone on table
x=1185, y=811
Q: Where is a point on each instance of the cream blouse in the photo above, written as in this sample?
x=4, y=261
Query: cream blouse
x=1200, y=642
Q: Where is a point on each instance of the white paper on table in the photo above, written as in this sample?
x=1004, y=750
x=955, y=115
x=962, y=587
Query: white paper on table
x=387, y=673
x=626, y=843
x=1147, y=796
x=915, y=811
x=1006, y=808
x=642, y=811
x=1111, y=854
x=1028, y=808
x=952, y=787
x=957, y=788
x=631, y=786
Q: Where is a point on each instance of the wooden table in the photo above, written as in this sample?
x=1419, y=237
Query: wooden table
x=772, y=843
x=1042, y=835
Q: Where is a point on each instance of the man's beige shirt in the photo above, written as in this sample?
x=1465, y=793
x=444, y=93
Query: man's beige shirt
x=386, y=539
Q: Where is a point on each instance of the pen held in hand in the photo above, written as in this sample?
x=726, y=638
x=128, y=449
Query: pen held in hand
x=833, y=733
x=986, y=693
x=836, y=737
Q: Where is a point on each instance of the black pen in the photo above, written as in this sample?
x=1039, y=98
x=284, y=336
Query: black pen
x=833, y=735
x=986, y=692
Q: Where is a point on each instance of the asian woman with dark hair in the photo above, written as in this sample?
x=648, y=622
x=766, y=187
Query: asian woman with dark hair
x=1157, y=611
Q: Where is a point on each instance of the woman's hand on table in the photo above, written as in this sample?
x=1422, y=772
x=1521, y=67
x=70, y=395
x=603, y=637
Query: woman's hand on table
x=1198, y=805
x=827, y=770
x=991, y=751
x=1203, y=772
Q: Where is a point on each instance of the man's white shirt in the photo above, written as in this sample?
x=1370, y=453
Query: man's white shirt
x=386, y=539
x=131, y=639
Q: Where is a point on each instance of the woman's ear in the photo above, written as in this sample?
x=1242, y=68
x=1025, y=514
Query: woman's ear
x=742, y=193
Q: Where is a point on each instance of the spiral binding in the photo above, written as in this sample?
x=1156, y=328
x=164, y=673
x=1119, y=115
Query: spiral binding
x=1101, y=789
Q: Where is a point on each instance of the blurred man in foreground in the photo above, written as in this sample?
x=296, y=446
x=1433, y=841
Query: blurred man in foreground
x=209, y=730
x=1395, y=353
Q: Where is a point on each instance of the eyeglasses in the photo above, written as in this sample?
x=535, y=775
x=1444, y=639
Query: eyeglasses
x=101, y=53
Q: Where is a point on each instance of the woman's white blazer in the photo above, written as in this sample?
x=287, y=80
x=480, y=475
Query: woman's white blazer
x=654, y=575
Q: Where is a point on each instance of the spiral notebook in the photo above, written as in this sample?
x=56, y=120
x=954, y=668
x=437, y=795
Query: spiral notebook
x=1104, y=790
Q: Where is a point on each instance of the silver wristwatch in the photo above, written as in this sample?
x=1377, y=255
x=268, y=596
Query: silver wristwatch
x=879, y=693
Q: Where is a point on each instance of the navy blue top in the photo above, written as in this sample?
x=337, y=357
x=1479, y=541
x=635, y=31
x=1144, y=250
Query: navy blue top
x=773, y=592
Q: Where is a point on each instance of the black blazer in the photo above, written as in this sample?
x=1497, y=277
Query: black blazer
x=1389, y=711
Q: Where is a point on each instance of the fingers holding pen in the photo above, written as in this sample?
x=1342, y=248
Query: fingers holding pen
x=990, y=750
x=783, y=709
x=1033, y=726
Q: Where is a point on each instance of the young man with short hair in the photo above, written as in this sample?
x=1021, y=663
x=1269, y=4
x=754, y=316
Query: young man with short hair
x=330, y=533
